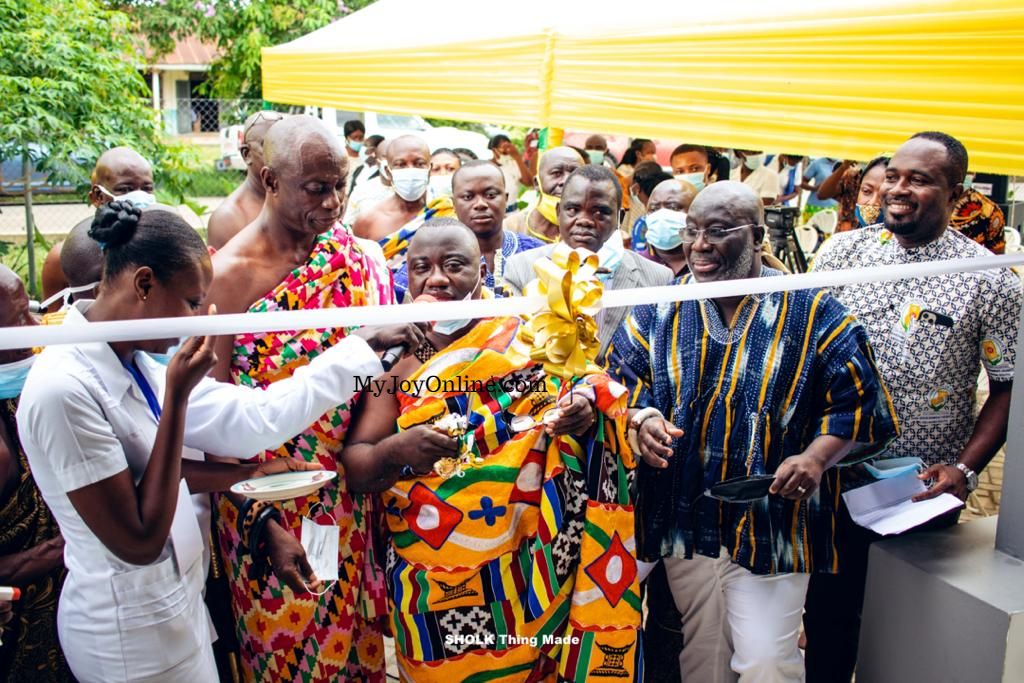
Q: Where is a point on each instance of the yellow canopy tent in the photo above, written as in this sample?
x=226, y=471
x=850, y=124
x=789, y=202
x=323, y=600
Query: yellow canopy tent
x=817, y=78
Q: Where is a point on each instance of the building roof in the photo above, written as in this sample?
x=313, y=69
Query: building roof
x=189, y=54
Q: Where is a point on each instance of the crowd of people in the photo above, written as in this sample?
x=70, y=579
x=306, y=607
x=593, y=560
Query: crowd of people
x=674, y=511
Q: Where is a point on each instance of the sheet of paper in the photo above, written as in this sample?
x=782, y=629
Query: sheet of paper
x=886, y=508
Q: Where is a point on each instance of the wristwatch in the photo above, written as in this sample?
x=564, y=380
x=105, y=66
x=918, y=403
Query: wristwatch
x=972, y=476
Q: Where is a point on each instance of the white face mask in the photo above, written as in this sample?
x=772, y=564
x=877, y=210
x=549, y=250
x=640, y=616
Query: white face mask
x=139, y=198
x=441, y=184
x=610, y=254
x=754, y=161
x=447, y=327
x=66, y=295
x=410, y=183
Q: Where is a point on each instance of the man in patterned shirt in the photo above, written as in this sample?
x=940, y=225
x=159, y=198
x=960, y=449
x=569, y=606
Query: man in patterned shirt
x=778, y=384
x=931, y=336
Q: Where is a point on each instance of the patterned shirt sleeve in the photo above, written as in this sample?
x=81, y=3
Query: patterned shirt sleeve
x=629, y=357
x=856, y=403
x=1000, y=298
x=995, y=238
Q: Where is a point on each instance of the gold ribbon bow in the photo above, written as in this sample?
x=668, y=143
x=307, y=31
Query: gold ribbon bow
x=563, y=334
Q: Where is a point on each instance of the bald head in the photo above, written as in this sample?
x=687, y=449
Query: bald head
x=119, y=171
x=555, y=167
x=253, y=134
x=673, y=194
x=732, y=199
x=596, y=142
x=405, y=147
x=444, y=230
x=290, y=144
x=80, y=258
x=13, y=310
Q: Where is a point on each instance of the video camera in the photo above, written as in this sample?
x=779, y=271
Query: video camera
x=781, y=222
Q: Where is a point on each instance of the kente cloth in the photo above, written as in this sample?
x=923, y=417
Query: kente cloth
x=511, y=244
x=526, y=559
x=31, y=650
x=335, y=636
x=397, y=243
x=981, y=219
x=792, y=366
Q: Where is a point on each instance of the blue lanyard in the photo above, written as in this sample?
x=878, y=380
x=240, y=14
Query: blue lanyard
x=147, y=391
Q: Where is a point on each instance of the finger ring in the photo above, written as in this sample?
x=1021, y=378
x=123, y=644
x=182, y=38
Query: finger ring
x=801, y=489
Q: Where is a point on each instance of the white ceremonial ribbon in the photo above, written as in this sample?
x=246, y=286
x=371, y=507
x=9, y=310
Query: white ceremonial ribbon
x=357, y=316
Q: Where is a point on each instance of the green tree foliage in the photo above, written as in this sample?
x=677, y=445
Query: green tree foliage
x=239, y=29
x=71, y=88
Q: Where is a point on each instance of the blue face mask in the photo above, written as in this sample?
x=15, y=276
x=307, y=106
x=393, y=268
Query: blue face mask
x=139, y=198
x=894, y=467
x=695, y=179
x=610, y=254
x=12, y=377
x=165, y=357
x=663, y=228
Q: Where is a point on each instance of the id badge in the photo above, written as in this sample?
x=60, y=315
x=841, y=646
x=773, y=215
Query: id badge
x=320, y=541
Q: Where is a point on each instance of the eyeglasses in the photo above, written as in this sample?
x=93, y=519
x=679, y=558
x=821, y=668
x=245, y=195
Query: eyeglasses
x=711, y=235
x=262, y=115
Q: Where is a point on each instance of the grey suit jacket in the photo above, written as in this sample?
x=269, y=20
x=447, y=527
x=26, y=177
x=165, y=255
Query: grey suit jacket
x=633, y=271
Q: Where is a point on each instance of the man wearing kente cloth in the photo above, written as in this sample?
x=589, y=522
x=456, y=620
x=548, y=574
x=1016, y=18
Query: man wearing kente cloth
x=31, y=546
x=511, y=553
x=296, y=255
x=782, y=385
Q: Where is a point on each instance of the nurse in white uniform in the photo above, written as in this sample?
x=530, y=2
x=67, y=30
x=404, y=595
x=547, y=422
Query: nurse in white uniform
x=104, y=427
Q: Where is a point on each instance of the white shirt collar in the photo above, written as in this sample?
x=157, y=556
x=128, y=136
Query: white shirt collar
x=99, y=354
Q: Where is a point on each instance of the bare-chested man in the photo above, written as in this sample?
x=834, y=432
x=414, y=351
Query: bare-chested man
x=297, y=255
x=244, y=204
x=118, y=172
x=408, y=172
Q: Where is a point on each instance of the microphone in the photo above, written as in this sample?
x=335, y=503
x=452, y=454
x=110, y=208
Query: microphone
x=394, y=353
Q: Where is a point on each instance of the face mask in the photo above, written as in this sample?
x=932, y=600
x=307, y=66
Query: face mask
x=321, y=541
x=887, y=469
x=548, y=207
x=695, y=179
x=596, y=156
x=355, y=145
x=867, y=214
x=12, y=377
x=969, y=181
x=754, y=161
x=742, y=489
x=448, y=327
x=663, y=228
x=410, y=183
x=66, y=295
x=441, y=184
x=165, y=357
x=139, y=198
x=610, y=254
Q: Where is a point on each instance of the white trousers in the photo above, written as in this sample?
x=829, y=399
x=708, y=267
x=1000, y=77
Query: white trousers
x=737, y=625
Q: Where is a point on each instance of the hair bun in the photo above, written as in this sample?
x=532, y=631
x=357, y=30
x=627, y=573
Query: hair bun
x=115, y=224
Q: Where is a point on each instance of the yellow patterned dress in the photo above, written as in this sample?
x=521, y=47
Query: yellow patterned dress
x=524, y=566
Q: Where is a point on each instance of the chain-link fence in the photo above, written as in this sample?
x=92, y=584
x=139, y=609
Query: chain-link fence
x=201, y=115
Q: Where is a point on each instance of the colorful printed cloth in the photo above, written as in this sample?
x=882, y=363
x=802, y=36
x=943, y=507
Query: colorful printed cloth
x=528, y=559
x=397, y=243
x=31, y=650
x=849, y=189
x=335, y=636
x=981, y=219
x=511, y=244
x=794, y=366
x=931, y=336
